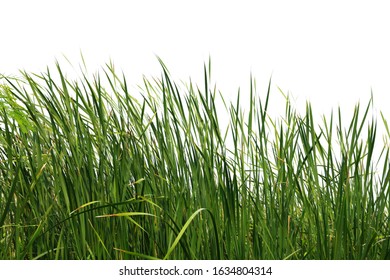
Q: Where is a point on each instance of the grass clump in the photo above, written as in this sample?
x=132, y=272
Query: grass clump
x=88, y=171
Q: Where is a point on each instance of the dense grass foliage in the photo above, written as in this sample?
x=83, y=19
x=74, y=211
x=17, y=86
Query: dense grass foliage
x=88, y=171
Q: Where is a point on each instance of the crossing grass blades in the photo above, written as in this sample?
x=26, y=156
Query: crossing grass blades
x=90, y=171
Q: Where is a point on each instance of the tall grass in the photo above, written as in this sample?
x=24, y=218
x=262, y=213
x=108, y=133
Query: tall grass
x=88, y=171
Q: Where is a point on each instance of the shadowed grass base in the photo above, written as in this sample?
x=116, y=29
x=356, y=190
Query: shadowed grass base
x=90, y=172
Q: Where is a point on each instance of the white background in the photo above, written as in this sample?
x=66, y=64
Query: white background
x=329, y=52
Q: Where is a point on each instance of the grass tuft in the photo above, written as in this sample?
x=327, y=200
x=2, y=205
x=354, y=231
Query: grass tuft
x=89, y=171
